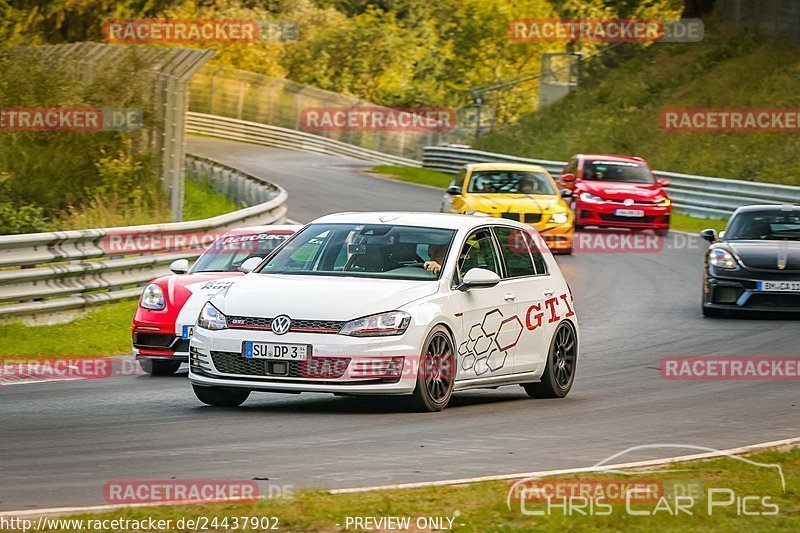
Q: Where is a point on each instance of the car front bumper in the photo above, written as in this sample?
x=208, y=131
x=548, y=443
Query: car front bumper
x=737, y=290
x=337, y=364
x=159, y=341
x=603, y=215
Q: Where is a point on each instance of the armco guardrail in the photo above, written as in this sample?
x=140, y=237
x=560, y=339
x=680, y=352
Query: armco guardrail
x=699, y=196
x=264, y=134
x=50, y=272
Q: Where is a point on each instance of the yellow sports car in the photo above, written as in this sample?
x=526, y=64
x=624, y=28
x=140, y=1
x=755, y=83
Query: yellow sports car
x=526, y=193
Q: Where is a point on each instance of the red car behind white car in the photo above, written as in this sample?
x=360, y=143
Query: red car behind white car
x=169, y=305
x=612, y=191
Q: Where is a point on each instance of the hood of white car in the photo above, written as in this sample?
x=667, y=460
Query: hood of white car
x=318, y=297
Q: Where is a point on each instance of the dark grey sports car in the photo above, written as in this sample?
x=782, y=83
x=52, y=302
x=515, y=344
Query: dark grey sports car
x=754, y=265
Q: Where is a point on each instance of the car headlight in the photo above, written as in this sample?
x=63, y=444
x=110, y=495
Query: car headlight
x=380, y=325
x=212, y=318
x=559, y=218
x=591, y=198
x=477, y=213
x=666, y=202
x=722, y=259
x=153, y=298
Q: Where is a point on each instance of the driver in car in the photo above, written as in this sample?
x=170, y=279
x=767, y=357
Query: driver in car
x=436, y=254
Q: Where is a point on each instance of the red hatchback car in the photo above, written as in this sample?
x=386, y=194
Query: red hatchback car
x=614, y=191
x=169, y=305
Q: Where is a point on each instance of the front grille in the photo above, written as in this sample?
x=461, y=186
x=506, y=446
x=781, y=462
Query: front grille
x=314, y=367
x=615, y=218
x=299, y=325
x=775, y=300
x=528, y=218
x=326, y=325
x=235, y=363
x=154, y=340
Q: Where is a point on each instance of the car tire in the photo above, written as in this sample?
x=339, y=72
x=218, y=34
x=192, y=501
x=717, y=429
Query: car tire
x=559, y=372
x=661, y=232
x=220, y=397
x=436, y=372
x=159, y=368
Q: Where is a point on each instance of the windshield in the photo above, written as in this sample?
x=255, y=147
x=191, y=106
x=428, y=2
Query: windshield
x=619, y=171
x=510, y=182
x=765, y=225
x=364, y=250
x=227, y=253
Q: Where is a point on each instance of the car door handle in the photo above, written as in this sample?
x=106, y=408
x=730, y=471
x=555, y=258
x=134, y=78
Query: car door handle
x=548, y=292
x=510, y=297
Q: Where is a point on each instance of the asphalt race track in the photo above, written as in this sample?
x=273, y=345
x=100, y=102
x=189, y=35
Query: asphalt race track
x=61, y=441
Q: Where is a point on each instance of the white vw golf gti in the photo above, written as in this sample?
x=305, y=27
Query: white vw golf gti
x=417, y=304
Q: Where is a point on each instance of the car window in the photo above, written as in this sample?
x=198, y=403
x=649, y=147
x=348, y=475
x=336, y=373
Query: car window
x=516, y=252
x=364, y=250
x=617, y=171
x=571, y=167
x=479, y=252
x=536, y=254
x=772, y=224
x=510, y=182
x=458, y=180
x=228, y=253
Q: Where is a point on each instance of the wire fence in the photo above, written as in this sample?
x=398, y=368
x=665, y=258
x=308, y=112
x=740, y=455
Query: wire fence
x=773, y=18
x=165, y=71
x=279, y=102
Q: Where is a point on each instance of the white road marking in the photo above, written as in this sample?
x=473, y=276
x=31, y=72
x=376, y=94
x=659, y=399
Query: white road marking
x=27, y=513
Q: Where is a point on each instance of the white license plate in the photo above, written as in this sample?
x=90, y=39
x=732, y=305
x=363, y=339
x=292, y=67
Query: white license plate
x=187, y=332
x=269, y=350
x=629, y=213
x=778, y=286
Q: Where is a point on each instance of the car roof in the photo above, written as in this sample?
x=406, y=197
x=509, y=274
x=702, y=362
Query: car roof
x=506, y=166
x=417, y=219
x=768, y=207
x=610, y=157
x=271, y=228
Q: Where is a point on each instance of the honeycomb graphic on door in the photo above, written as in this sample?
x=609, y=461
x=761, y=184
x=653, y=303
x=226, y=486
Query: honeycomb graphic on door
x=486, y=348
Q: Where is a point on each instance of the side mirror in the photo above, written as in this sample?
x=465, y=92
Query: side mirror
x=709, y=234
x=663, y=182
x=478, y=277
x=566, y=193
x=249, y=264
x=568, y=178
x=454, y=190
x=179, y=266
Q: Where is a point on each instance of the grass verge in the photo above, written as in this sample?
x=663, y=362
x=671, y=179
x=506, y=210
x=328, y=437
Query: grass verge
x=422, y=176
x=105, y=330
x=745, y=487
x=202, y=201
